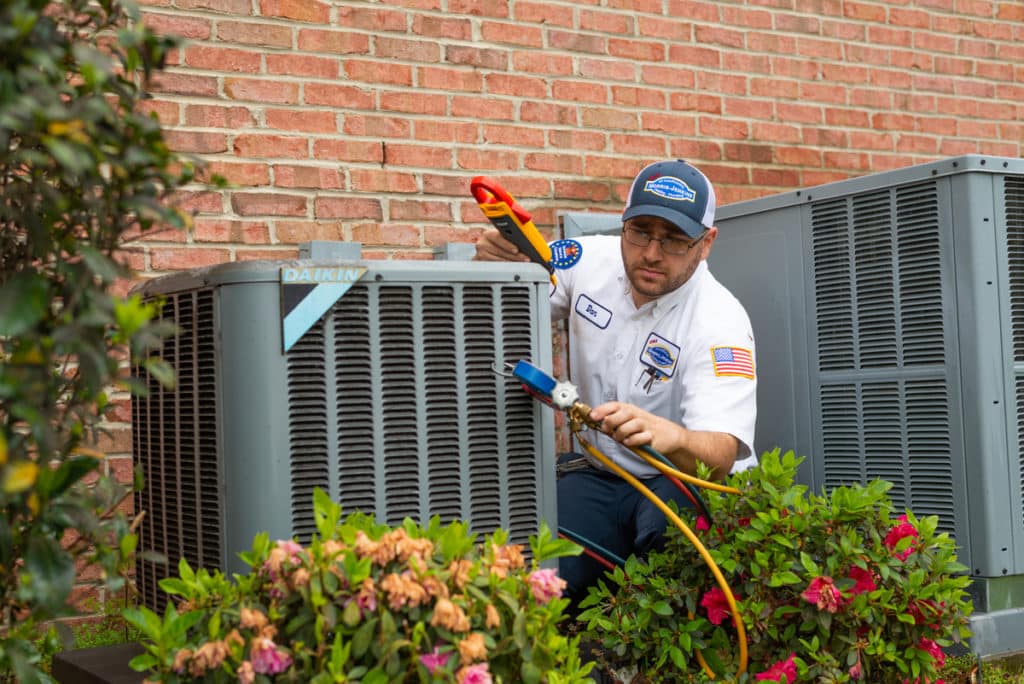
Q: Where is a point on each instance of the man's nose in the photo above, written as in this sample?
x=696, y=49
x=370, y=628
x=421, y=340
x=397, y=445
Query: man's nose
x=653, y=249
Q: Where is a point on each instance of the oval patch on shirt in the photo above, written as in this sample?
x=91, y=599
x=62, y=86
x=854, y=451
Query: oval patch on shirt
x=565, y=253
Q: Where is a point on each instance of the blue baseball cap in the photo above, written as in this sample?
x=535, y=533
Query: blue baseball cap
x=675, y=191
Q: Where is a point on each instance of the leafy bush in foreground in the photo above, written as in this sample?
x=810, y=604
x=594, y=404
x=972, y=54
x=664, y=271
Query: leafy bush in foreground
x=829, y=588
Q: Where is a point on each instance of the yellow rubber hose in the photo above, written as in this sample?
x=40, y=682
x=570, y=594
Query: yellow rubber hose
x=669, y=470
x=741, y=632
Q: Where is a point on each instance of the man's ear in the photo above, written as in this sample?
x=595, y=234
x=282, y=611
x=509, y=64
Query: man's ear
x=708, y=241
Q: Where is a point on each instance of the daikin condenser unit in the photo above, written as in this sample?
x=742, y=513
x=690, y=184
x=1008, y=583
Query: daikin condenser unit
x=383, y=383
x=888, y=313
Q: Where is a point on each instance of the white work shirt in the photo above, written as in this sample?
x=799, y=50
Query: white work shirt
x=696, y=342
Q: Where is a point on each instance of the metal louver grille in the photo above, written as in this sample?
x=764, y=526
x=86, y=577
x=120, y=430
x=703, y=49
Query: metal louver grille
x=884, y=397
x=416, y=421
x=877, y=280
x=1014, y=199
x=175, y=443
x=308, y=418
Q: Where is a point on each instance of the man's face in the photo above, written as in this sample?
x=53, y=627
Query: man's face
x=651, y=271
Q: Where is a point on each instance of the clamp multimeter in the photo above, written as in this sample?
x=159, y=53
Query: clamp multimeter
x=514, y=222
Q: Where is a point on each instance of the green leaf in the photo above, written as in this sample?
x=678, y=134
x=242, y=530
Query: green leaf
x=362, y=638
x=519, y=629
x=784, y=578
x=24, y=300
x=74, y=157
x=53, y=483
x=105, y=268
x=52, y=572
x=161, y=371
x=376, y=676
x=531, y=673
x=809, y=565
x=662, y=608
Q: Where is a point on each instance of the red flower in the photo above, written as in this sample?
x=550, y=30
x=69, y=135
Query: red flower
x=897, y=533
x=715, y=602
x=925, y=612
x=932, y=648
x=823, y=593
x=863, y=581
x=702, y=524
x=784, y=668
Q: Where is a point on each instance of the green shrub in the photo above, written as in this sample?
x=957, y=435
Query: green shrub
x=364, y=602
x=829, y=588
x=80, y=168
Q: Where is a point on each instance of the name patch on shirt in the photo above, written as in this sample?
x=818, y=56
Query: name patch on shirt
x=733, y=361
x=660, y=355
x=590, y=310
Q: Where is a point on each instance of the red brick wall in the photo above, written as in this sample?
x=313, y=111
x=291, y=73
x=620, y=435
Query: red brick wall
x=366, y=120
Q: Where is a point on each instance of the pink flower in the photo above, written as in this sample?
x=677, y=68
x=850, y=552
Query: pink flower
x=717, y=605
x=546, y=584
x=266, y=658
x=933, y=649
x=823, y=593
x=863, y=581
x=784, y=668
x=702, y=524
x=474, y=674
x=899, y=532
x=856, y=671
x=246, y=675
x=434, y=660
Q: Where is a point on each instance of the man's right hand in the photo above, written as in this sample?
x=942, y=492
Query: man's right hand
x=492, y=246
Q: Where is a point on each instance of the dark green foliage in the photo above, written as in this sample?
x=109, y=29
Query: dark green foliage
x=80, y=170
x=831, y=588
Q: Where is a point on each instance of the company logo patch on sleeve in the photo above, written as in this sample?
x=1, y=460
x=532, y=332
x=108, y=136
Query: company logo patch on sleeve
x=565, y=253
x=733, y=361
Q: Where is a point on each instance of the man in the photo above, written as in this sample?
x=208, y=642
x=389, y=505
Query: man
x=660, y=349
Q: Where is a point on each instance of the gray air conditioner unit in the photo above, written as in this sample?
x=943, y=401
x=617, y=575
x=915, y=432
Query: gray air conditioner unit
x=390, y=397
x=889, y=317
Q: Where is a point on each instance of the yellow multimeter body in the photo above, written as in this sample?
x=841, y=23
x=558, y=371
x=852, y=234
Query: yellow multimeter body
x=514, y=222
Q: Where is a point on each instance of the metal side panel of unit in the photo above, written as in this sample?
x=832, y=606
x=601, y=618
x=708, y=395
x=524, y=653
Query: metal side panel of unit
x=759, y=257
x=253, y=417
x=988, y=273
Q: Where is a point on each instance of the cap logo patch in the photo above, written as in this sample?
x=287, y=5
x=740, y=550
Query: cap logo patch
x=671, y=188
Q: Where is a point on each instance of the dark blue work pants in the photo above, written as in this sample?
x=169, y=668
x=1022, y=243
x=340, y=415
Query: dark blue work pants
x=605, y=509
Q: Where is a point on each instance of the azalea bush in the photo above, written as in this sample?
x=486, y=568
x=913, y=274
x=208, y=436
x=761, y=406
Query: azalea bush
x=364, y=602
x=836, y=588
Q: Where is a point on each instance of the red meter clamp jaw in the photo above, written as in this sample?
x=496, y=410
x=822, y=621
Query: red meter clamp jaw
x=514, y=222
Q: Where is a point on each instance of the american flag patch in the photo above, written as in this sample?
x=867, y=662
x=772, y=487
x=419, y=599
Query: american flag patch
x=733, y=361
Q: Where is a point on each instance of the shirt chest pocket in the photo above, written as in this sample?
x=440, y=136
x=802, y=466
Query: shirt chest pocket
x=650, y=389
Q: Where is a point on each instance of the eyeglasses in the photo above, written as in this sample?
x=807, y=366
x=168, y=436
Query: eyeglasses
x=669, y=245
